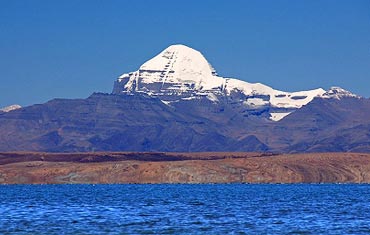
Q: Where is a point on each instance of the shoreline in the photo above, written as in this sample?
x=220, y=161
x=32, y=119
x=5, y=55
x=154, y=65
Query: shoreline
x=193, y=168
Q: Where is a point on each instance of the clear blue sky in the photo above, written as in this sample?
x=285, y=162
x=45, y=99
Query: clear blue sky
x=71, y=48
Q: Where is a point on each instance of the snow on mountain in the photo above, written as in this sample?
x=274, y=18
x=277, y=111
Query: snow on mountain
x=177, y=69
x=277, y=98
x=182, y=73
x=181, y=64
x=338, y=93
x=10, y=108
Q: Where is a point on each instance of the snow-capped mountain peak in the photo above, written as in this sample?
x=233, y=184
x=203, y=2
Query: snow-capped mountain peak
x=10, y=108
x=338, y=93
x=183, y=64
x=180, y=73
x=177, y=68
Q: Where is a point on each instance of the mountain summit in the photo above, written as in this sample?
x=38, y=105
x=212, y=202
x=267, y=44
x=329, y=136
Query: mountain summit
x=180, y=73
x=183, y=65
x=178, y=69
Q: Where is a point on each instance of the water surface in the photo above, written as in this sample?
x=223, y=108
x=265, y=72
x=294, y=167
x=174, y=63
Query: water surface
x=185, y=209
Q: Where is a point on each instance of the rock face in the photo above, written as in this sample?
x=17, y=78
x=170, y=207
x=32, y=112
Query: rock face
x=176, y=102
x=42, y=168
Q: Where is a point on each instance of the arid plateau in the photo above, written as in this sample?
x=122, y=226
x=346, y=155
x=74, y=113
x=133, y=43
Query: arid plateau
x=238, y=167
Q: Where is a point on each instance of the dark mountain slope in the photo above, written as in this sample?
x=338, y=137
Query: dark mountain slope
x=111, y=122
x=137, y=122
x=316, y=126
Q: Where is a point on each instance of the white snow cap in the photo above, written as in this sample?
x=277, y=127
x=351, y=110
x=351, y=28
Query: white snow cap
x=178, y=64
x=338, y=93
x=185, y=63
x=10, y=108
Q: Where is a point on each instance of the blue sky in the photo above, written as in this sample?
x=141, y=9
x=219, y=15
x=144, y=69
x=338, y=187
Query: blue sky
x=71, y=48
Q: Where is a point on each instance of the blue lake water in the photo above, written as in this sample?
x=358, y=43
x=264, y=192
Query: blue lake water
x=185, y=209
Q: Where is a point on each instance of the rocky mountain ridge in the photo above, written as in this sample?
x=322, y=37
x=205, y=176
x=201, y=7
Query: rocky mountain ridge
x=137, y=122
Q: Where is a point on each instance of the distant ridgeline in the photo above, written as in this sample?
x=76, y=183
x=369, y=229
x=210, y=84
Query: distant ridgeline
x=177, y=102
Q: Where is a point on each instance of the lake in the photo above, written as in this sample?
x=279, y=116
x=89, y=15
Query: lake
x=185, y=209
